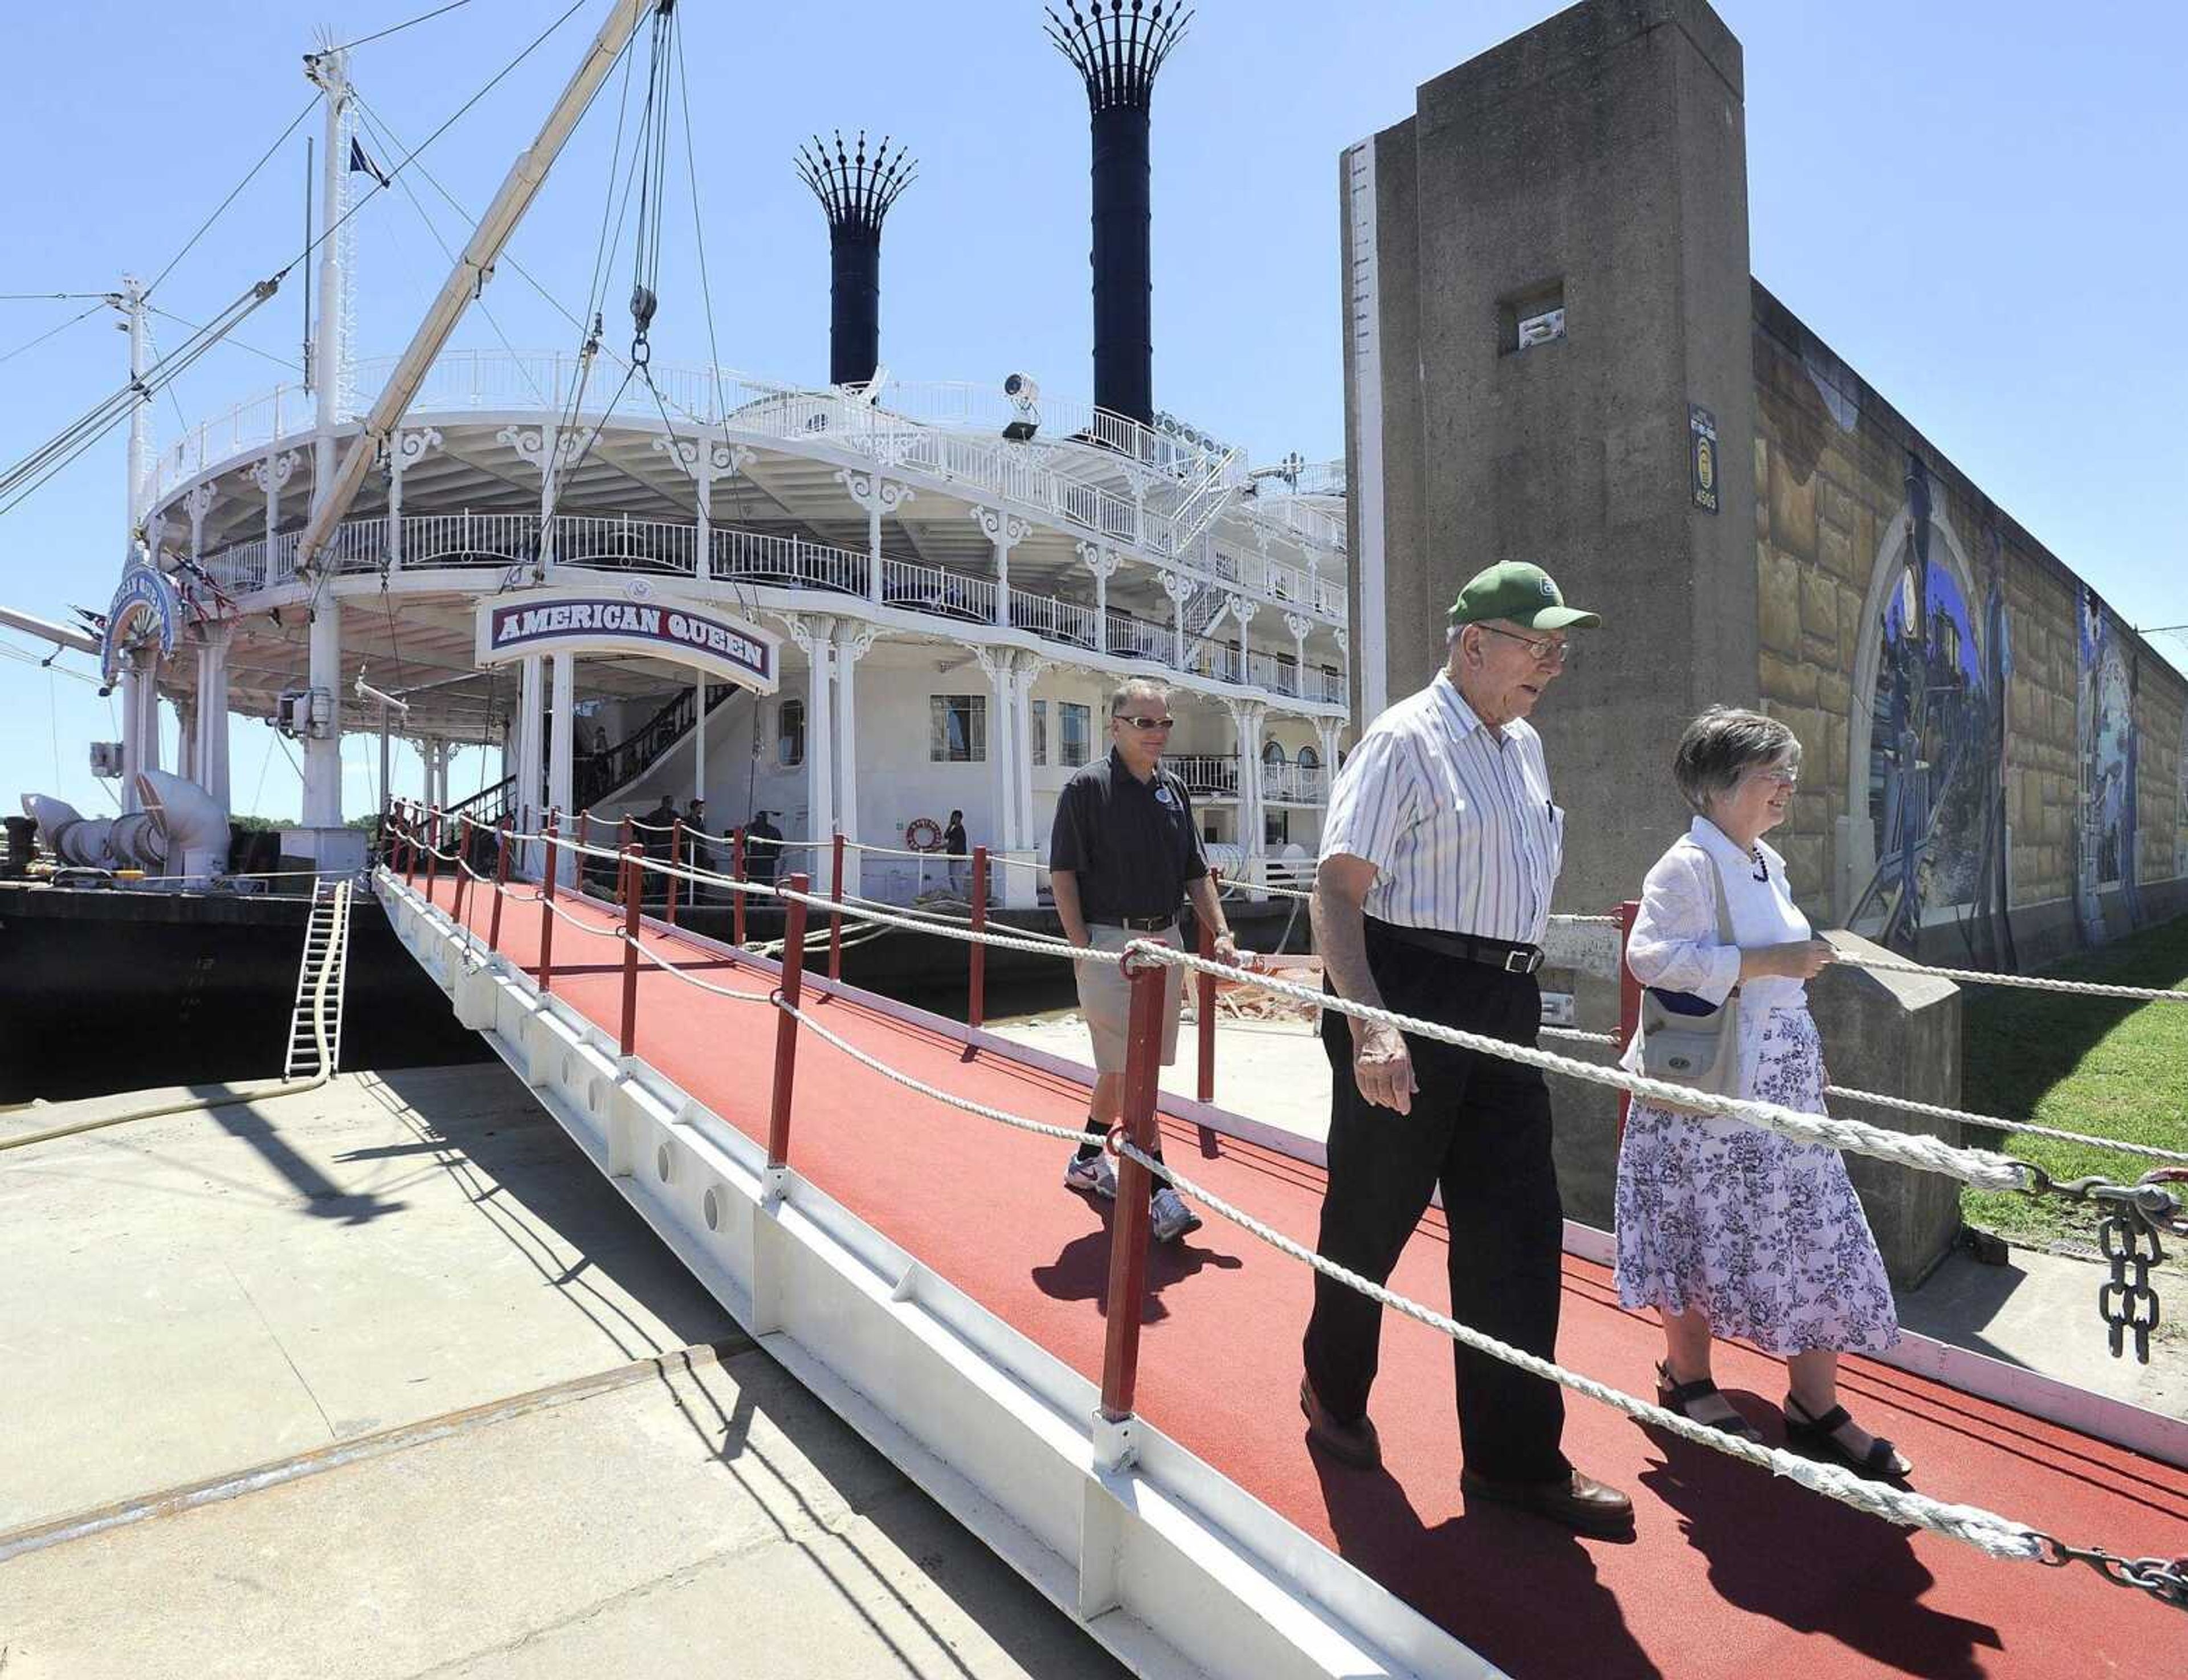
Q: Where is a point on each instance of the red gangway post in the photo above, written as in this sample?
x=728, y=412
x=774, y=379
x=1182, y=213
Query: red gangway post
x=1128, y=1229
x=1205, y=1000
x=1629, y=998
x=786, y=1025
x=634, y=876
x=432, y=853
x=836, y=916
x=976, y=1003
x=737, y=869
x=547, y=914
x=675, y=862
x=500, y=884
x=409, y=842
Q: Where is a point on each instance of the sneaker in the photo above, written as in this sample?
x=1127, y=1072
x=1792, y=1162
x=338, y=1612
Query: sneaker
x=1095, y=1175
x=1170, y=1218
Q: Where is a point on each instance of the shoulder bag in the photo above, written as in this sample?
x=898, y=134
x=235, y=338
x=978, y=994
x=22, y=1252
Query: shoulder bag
x=1684, y=1038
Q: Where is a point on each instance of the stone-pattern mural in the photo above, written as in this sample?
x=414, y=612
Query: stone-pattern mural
x=1993, y=761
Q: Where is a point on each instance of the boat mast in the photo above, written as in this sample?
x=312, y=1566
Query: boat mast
x=472, y=270
x=131, y=305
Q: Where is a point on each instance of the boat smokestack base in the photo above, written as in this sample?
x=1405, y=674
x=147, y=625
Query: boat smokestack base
x=1117, y=50
x=855, y=187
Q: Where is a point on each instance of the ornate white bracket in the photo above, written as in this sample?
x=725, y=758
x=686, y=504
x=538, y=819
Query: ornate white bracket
x=1005, y=530
x=198, y=504
x=1100, y=559
x=271, y=472
x=718, y=458
x=853, y=645
x=1242, y=608
x=1178, y=586
x=1297, y=625
x=872, y=492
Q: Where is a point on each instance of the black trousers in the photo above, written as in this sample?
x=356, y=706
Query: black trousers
x=1479, y=1130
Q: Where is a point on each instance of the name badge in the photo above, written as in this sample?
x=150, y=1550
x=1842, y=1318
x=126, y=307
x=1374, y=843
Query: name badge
x=1164, y=796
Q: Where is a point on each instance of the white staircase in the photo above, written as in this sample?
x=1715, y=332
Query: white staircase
x=315, y=1022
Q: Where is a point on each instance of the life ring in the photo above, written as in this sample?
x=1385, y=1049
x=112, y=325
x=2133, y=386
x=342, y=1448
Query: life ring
x=923, y=834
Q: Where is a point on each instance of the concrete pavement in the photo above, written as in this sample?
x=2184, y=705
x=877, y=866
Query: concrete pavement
x=486, y=1426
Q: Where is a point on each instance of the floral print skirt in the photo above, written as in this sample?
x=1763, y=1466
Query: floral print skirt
x=1764, y=1235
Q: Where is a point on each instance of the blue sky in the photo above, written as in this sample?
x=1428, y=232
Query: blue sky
x=1976, y=205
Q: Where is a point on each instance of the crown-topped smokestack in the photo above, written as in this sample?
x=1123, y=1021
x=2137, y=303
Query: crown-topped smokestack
x=1117, y=51
x=856, y=191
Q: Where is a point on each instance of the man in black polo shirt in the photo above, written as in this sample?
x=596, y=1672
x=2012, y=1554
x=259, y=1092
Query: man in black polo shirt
x=1123, y=854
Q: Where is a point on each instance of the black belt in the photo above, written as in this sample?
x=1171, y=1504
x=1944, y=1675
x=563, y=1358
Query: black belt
x=1138, y=924
x=1512, y=958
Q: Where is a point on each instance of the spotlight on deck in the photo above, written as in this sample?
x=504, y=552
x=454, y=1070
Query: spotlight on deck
x=1023, y=394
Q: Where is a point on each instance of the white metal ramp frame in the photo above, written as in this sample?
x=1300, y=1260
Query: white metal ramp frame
x=1169, y=1564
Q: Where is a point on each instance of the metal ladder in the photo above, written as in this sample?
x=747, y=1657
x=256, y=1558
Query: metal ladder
x=320, y=977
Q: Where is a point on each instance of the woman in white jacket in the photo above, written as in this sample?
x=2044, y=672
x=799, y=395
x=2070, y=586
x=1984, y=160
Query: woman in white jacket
x=1725, y=1228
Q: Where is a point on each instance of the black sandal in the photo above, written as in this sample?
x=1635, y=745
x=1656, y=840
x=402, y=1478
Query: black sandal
x=1821, y=1435
x=1680, y=1397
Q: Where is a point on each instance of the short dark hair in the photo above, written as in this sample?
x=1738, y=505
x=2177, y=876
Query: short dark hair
x=1121, y=696
x=957, y=816
x=1721, y=746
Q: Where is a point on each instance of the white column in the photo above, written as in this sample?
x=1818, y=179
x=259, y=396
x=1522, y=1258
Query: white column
x=1177, y=586
x=1249, y=716
x=1029, y=668
x=854, y=642
x=323, y=788
x=1005, y=531
x=561, y=725
x=148, y=727
x=1101, y=560
x=386, y=756
x=878, y=496
x=530, y=795
x=212, y=709
x=547, y=448
x=186, y=741
x=1299, y=626
x=699, y=733
x=703, y=461
x=1002, y=798
x=817, y=636
x=132, y=722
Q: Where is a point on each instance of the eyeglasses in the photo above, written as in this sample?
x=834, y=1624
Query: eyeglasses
x=1544, y=651
x=1782, y=778
x=1145, y=725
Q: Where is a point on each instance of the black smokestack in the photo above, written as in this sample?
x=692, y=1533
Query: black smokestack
x=856, y=191
x=1117, y=52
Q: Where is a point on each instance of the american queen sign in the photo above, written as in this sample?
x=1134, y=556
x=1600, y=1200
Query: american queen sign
x=592, y=621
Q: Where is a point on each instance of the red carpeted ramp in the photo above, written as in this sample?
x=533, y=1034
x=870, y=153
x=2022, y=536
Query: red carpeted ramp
x=1731, y=1573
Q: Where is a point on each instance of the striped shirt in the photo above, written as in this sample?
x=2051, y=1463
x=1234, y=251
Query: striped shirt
x=1457, y=820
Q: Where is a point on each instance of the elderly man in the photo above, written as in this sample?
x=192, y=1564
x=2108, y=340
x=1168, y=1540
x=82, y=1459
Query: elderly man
x=1123, y=855
x=1438, y=855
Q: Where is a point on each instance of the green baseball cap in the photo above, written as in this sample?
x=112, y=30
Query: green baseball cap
x=1524, y=595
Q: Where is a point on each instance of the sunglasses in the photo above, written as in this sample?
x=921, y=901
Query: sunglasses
x=1145, y=725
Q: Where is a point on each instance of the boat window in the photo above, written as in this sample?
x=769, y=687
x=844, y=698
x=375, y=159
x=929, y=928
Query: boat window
x=957, y=731
x=1039, y=711
x=790, y=735
x=1075, y=725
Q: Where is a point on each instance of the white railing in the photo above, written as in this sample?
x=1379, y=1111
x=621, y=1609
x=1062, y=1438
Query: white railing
x=929, y=589
x=1266, y=670
x=1052, y=619
x=756, y=557
x=949, y=433
x=1136, y=639
x=614, y=544
x=1329, y=686
x=1206, y=774
x=1294, y=784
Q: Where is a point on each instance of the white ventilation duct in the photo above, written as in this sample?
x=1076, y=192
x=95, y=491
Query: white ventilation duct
x=190, y=829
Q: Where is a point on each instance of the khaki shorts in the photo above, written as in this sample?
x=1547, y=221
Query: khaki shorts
x=1105, y=997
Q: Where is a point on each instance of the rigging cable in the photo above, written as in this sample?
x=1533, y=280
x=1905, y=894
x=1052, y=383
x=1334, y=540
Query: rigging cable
x=51, y=331
x=230, y=199
x=397, y=29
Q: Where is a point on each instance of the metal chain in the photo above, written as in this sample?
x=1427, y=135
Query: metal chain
x=2163, y=1578
x=2128, y=1304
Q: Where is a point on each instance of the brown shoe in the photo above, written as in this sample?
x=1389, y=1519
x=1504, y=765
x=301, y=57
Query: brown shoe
x=1580, y=1502
x=1355, y=1443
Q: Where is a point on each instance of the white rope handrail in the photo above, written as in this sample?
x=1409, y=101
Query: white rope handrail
x=2037, y=983
x=1998, y=1122
x=1980, y=1167
x=661, y=962
x=1989, y=1532
x=1986, y=1530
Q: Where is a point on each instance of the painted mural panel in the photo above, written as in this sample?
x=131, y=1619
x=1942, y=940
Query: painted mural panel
x=1937, y=737
x=2104, y=851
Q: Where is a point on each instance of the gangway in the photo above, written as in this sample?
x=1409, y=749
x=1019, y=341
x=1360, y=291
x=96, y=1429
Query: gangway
x=315, y=1021
x=916, y=1265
